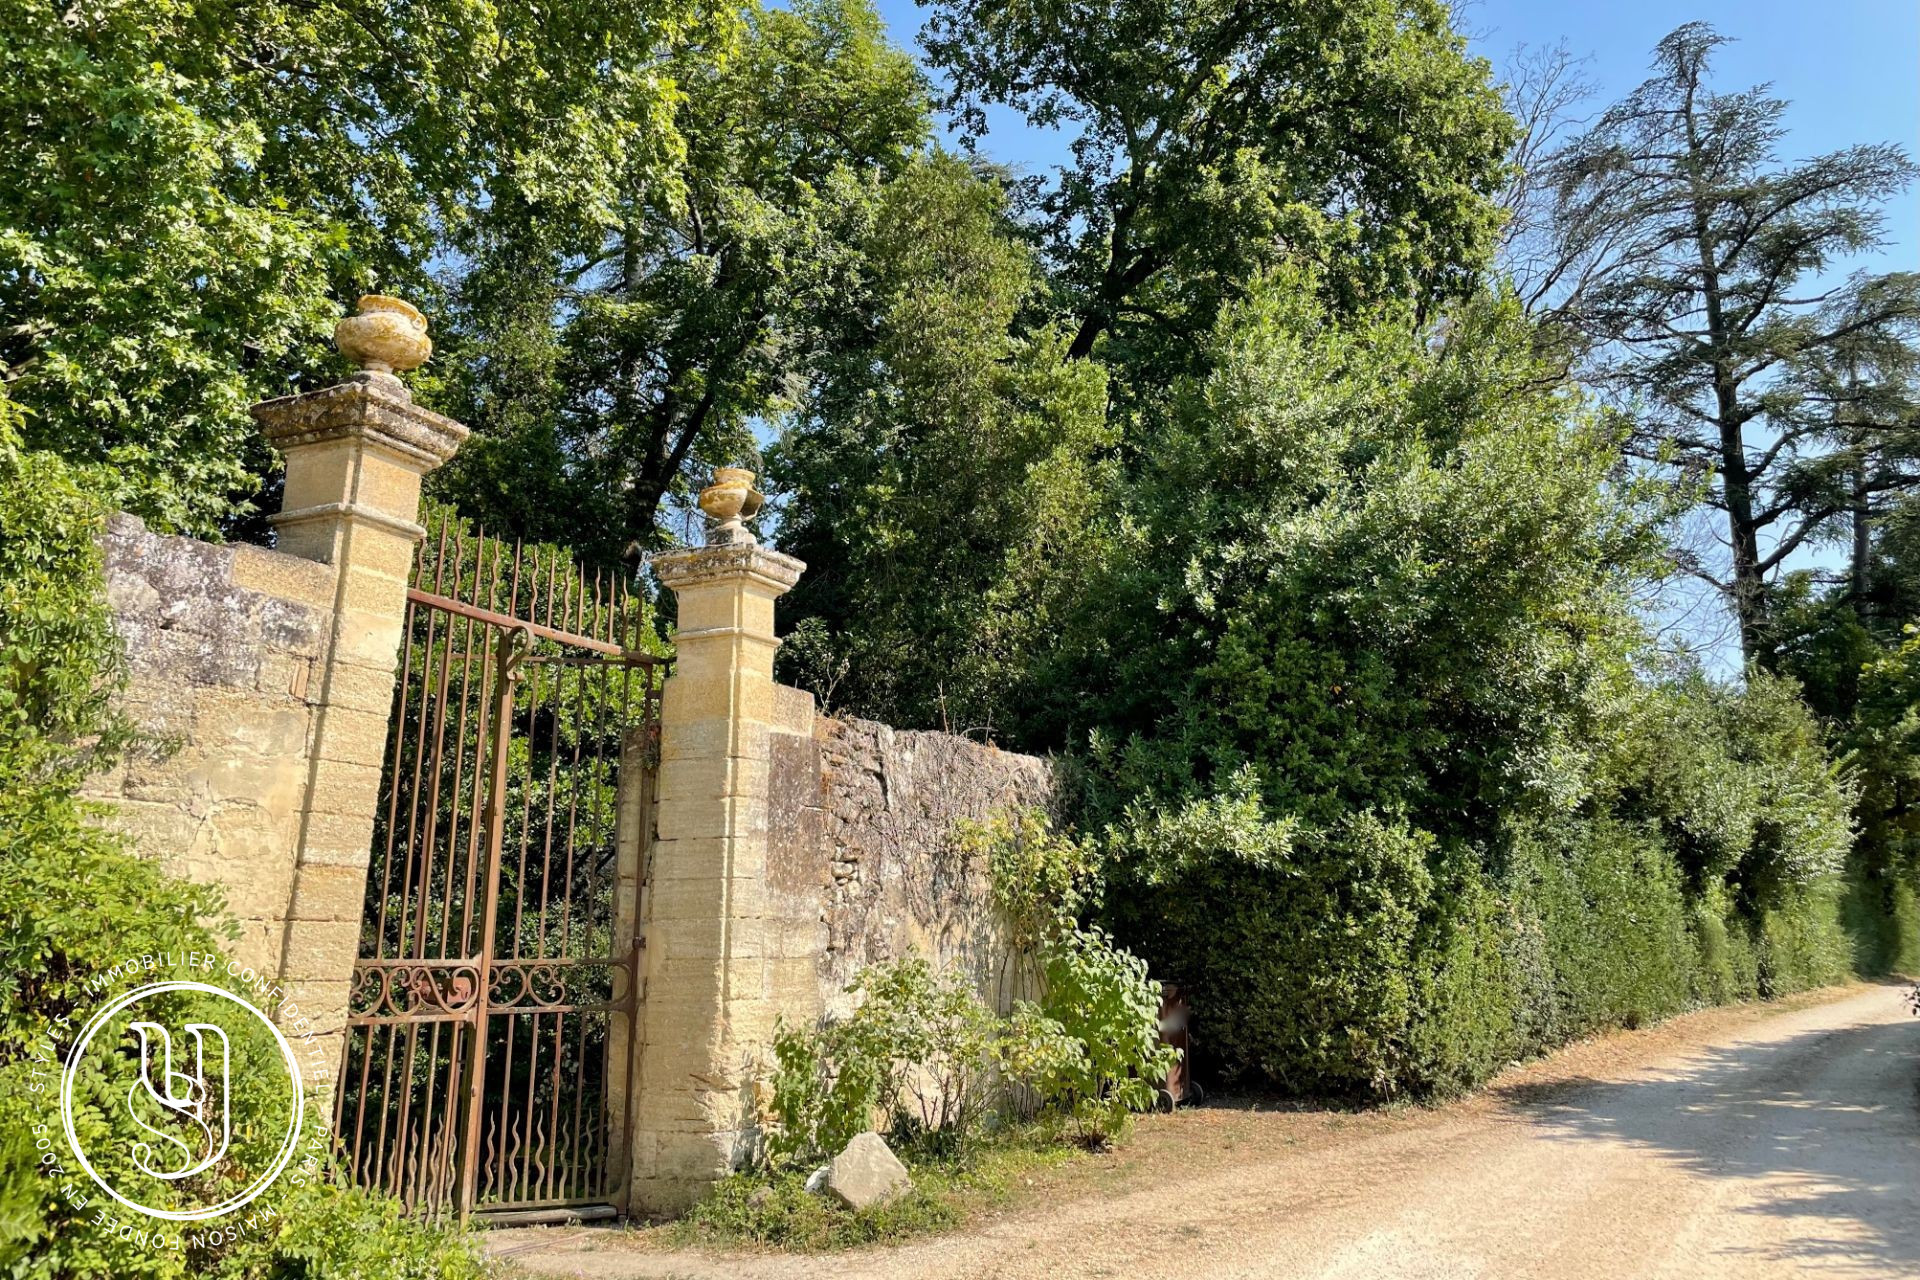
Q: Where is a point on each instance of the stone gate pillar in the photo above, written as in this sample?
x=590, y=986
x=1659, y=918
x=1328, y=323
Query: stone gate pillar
x=710, y=993
x=355, y=455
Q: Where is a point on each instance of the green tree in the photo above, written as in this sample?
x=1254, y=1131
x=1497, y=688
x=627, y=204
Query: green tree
x=1215, y=139
x=598, y=370
x=1860, y=668
x=196, y=186
x=938, y=474
x=1701, y=259
x=1736, y=780
x=1376, y=569
x=1862, y=394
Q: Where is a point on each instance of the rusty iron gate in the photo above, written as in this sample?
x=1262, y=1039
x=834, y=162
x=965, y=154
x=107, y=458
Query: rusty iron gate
x=486, y=1068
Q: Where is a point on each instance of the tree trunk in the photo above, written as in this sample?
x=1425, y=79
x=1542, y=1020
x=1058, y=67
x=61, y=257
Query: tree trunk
x=1748, y=589
x=1859, y=583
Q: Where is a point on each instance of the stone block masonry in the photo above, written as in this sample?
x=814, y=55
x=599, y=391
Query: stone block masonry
x=863, y=863
x=789, y=850
x=221, y=645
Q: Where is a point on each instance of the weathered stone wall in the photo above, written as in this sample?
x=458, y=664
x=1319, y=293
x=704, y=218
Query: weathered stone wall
x=862, y=861
x=222, y=645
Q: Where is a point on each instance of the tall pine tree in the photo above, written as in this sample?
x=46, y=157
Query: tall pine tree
x=1702, y=270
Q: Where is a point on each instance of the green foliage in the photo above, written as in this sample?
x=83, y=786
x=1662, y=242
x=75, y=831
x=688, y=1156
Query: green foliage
x=1738, y=782
x=1855, y=649
x=1800, y=942
x=1371, y=597
x=199, y=184
x=74, y=904
x=1477, y=985
x=1372, y=960
x=1725, y=967
x=938, y=1036
x=1378, y=571
x=1388, y=795
x=1214, y=140
x=1881, y=919
x=57, y=647
x=823, y=1094
x=600, y=365
x=921, y=1054
x=951, y=476
x=1606, y=899
x=917, y=1053
x=1686, y=250
x=940, y=463
x=1090, y=1050
x=331, y=1232
x=1042, y=879
x=1290, y=940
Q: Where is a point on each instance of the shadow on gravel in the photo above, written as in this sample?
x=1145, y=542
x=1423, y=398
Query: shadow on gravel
x=1830, y=1118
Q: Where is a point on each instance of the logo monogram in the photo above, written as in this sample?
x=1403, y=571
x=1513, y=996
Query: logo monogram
x=186, y=1096
x=180, y=1100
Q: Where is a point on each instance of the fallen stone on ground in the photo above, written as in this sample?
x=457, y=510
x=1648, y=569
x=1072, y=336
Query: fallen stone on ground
x=867, y=1173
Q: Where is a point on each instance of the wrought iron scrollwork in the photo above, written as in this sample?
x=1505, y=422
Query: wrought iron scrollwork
x=482, y=1068
x=553, y=985
x=414, y=989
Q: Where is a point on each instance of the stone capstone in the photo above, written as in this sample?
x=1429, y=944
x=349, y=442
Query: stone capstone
x=375, y=407
x=867, y=1173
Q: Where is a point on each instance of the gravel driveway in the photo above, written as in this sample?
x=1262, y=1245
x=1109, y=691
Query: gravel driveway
x=1756, y=1141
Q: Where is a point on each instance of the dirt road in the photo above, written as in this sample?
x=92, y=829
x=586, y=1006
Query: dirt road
x=1738, y=1143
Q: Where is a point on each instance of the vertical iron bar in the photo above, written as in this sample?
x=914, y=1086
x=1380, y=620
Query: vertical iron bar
x=495, y=813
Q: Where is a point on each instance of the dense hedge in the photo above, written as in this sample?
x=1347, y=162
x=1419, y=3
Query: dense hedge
x=1368, y=958
x=1395, y=780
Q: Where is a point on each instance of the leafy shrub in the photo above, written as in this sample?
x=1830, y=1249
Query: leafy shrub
x=1864, y=680
x=925, y=1057
x=1694, y=856
x=1880, y=914
x=1799, y=941
x=918, y=1052
x=938, y=1037
x=924, y=1054
x=1468, y=984
x=1608, y=898
x=74, y=903
x=1292, y=940
x=1725, y=968
x=1738, y=783
x=1091, y=1049
x=326, y=1231
x=58, y=651
x=823, y=1094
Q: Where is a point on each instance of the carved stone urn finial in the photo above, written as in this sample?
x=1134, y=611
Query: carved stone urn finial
x=730, y=501
x=387, y=336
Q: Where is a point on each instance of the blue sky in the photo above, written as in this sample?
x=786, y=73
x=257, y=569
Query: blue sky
x=1851, y=69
